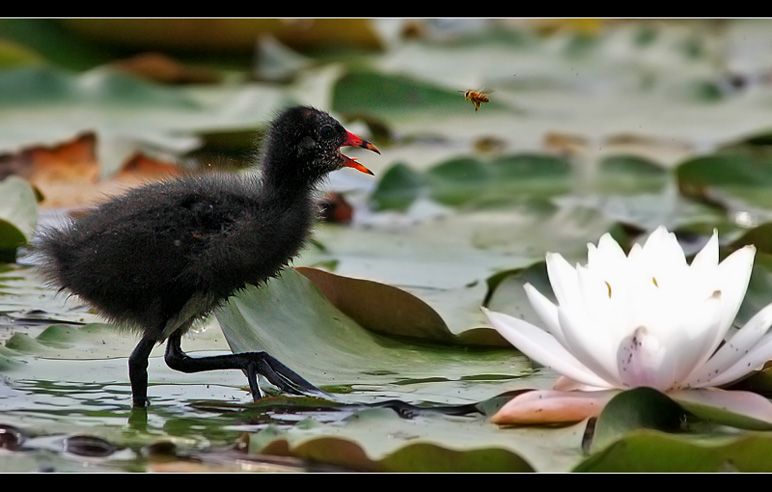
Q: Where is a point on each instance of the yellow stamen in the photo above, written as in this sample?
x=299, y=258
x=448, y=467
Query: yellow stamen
x=654, y=279
x=609, y=289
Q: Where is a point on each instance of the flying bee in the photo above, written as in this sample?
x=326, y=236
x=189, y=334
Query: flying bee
x=477, y=97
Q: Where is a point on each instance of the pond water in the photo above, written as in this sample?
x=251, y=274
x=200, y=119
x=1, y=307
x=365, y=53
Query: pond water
x=67, y=409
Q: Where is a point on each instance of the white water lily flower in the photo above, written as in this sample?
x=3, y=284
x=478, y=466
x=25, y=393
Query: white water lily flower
x=647, y=318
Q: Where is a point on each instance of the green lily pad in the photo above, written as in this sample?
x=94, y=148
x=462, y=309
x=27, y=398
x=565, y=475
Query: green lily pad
x=40, y=85
x=378, y=440
x=738, y=181
x=631, y=174
x=291, y=319
x=655, y=451
x=468, y=180
x=397, y=188
x=372, y=92
x=379, y=307
x=458, y=180
x=631, y=410
x=739, y=409
x=54, y=44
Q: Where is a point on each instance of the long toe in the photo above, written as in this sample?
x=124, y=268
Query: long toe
x=283, y=377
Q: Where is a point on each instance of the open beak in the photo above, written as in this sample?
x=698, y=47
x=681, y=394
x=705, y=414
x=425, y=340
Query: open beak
x=355, y=141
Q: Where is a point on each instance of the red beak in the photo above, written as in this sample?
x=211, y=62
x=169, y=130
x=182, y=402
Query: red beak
x=355, y=141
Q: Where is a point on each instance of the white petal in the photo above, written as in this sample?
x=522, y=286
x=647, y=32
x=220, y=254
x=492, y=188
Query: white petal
x=746, y=403
x=734, y=349
x=542, y=347
x=636, y=250
x=593, y=350
x=564, y=383
x=663, y=353
x=707, y=258
x=734, y=274
x=693, y=341
x=752, y=361
x=643, y=361
x=546, y=310
x=606, y=303
x=607, y=255
x=662, y=250
x=563, y=279
x=609, y=248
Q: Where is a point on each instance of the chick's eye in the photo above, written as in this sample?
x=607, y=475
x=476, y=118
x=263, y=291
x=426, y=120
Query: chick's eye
x=327, y=132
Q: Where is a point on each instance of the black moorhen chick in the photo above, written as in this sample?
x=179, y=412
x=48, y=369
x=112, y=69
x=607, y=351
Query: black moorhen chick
x=163, y=256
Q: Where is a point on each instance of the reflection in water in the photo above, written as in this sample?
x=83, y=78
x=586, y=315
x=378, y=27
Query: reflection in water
x=88, y=446
x=65, y=407
x=96, y=421
x=10, y=437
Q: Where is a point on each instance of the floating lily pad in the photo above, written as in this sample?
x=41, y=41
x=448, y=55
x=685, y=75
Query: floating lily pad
x=639, y=408
x=18, y=216
x=378, y=93
x=397, y=188
x=311, y=336
x=469, y=180
x=739, y=182
x=655, y=451
x=379, y=307
x=428, y=443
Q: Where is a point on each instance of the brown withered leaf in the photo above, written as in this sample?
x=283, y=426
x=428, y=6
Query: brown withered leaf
x=72, y=160
x=67, y=174
x=161, y=68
